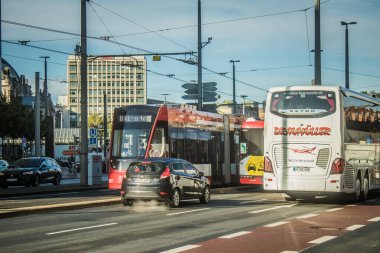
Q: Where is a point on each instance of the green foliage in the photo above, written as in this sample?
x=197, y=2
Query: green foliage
x=16, y=120
x=372, y=93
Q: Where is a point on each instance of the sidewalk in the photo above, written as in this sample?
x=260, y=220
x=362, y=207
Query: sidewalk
x=67, y=184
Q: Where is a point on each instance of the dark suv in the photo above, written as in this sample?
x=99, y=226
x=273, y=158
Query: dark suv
x=164, y=179
x=31, y=171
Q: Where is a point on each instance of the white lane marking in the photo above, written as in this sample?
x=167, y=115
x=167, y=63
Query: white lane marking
x=234, y=235
x=40, y=195
x=77, y=229
x=351, y=205
x=180, y=249
x=323, y=239
x=334, y=209
x=375, y=219
x=306, y=216
x=353, y=227
x=272, y=208
x=191, y=211
x=289, y=251
x=276, y=224
x=252, y=201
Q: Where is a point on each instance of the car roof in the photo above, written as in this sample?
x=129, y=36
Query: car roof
x=162, y=160
x=35, y=158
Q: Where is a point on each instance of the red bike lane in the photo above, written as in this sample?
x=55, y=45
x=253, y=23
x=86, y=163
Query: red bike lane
x=291, y=235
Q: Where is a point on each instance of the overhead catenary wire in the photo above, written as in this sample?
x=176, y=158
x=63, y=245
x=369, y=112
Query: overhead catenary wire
x=30, y=59
x=105, y=26
x=212, y=72
x=41, y=48
x=139, y=25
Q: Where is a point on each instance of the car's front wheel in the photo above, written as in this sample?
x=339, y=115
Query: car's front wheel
x=4, y=186
x=36, y=182
x=175, y=199
x=205, y=199
x=57, y=180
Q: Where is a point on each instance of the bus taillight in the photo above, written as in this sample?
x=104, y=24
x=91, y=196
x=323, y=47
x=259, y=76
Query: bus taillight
x=268, y=165
x=337, y=166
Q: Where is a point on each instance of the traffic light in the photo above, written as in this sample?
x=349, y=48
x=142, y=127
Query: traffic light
x=76, y=140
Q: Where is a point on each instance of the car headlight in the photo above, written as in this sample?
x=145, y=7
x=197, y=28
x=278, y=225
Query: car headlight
x=28, y=173
x=1, y=174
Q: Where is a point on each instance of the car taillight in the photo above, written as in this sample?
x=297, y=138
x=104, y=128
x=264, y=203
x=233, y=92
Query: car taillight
x=268, y=165
x=337, y=166
x=166, y=173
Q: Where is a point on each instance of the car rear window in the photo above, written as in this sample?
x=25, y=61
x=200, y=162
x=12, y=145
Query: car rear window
x=146, y=168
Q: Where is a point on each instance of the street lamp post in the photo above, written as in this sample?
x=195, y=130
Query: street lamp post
x=244, y=96
x=347, y=59
x=165, y=94
x=233, y=86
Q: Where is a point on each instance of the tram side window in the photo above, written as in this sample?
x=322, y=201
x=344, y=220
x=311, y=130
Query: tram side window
x=177, y=143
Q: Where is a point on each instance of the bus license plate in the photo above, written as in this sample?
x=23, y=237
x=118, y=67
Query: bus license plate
x=11, y=179
x=301, y=169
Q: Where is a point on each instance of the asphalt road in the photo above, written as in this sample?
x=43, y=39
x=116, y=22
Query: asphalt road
x=232, y=222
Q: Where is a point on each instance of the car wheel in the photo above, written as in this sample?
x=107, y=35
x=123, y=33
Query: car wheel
x=127, y=202
x=36, y=182
x=27, y=185
x=4, y=186
x=175, y=199
x=364, y=193
x=57, y=180
x=205, y=199
x=357, y=193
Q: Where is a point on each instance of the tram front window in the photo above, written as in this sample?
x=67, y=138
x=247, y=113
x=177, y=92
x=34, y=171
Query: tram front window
x=129, y=143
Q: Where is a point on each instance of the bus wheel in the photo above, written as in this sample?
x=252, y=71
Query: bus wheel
x=357, y=193
x=364, y=194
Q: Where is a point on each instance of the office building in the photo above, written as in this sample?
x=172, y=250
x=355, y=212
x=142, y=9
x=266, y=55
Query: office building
x=122, y=79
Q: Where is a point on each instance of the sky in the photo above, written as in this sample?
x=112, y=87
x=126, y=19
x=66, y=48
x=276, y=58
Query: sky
x=272, y=39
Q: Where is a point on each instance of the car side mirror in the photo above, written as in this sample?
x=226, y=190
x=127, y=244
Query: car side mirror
x=201, y=174
x=42, y=166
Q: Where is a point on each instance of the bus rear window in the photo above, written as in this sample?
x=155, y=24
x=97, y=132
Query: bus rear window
x=303, y=103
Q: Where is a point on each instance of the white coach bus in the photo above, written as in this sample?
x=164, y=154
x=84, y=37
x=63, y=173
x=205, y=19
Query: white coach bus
x=321, y=140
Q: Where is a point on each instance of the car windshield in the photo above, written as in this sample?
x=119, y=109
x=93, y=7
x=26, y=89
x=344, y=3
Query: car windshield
x=145, y=168
x=26, y=163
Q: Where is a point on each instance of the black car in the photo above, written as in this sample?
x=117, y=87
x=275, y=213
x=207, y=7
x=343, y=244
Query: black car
x=164, y=179
x=31, y=171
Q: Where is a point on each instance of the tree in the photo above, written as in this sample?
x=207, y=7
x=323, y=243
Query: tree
x=372, y=93
x=95, y=120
